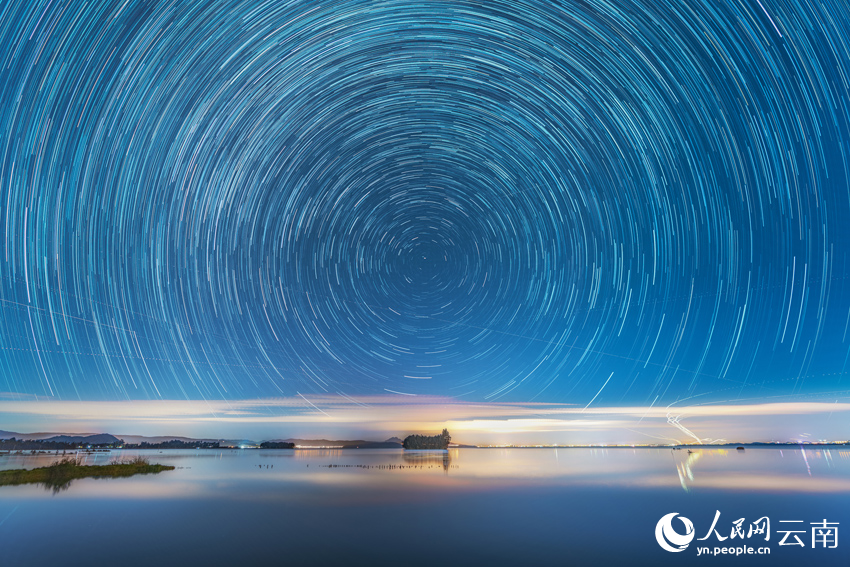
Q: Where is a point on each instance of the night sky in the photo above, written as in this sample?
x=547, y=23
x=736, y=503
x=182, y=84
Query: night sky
x=611, y=202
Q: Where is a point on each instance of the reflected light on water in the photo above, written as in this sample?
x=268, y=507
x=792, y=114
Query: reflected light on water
x=202, y=473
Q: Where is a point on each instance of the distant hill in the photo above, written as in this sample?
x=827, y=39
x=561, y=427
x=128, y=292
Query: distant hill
x=40, y=435
x=64, y=437
x=106, y=438
x=98, y=439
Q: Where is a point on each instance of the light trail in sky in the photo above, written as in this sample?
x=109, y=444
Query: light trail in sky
x=487, y=200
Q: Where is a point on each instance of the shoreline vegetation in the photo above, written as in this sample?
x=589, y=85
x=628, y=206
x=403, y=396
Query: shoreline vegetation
x=59, y=475
x=276, y=445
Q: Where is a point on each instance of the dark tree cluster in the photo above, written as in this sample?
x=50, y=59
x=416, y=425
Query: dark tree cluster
x=423, y=442
x=276, y=445
x=174, y=444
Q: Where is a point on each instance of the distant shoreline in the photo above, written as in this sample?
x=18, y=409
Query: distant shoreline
x=732, y=446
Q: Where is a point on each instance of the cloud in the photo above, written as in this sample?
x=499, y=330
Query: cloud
x=519, y=423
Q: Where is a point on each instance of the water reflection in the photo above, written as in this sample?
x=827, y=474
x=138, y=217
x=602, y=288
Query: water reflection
x=429, y=459
x=55, y=487
x=685, y=470
x=768, y=469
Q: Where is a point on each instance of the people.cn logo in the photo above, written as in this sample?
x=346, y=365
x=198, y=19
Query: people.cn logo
x=668, y=538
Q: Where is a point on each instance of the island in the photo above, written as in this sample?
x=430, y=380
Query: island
x=60, y=474
x=425, y=442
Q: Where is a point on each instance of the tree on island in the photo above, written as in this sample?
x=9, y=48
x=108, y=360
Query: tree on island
x=424, y=442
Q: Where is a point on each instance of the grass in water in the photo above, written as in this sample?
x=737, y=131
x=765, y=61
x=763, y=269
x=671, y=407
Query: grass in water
x=59, y=475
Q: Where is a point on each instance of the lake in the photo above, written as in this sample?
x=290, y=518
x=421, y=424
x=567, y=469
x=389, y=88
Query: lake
x=464, y=507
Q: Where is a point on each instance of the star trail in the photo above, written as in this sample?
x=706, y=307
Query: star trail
x=590, y=203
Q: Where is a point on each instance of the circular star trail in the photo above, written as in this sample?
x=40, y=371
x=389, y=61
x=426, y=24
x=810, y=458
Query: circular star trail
x=485, y=200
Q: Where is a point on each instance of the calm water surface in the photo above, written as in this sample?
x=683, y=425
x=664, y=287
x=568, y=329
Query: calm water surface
x=466, y=507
